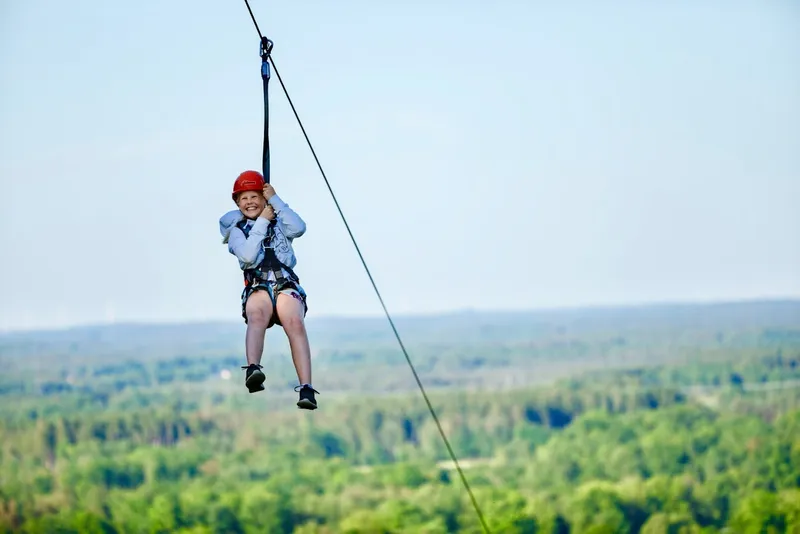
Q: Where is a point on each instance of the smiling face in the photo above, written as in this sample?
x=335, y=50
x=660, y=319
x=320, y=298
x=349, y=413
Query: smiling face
x=251, y=203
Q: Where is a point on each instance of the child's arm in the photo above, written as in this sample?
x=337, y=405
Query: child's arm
x=247, y=249
x=293, y=225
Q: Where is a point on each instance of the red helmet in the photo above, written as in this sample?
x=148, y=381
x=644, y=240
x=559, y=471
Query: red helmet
x=248, y=181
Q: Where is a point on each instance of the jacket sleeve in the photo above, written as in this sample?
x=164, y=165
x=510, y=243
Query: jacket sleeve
x=248, y=248
x=293, y=225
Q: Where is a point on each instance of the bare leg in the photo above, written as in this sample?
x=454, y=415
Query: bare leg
x=259, y=311
x=291, y=314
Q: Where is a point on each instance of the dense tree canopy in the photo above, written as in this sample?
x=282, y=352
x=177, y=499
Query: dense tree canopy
x=704, y=438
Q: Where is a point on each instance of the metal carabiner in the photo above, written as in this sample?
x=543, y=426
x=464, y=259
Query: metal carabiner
x=265, y=48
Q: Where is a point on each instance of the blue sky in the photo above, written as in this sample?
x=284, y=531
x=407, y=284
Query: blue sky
x=487, y=156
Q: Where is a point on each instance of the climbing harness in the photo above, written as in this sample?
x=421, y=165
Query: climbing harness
x=270, y=263
x=258, y=277
x=266, y=60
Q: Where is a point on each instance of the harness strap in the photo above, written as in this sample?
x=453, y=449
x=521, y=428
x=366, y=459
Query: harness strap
x=266, y=49
x=269, y=263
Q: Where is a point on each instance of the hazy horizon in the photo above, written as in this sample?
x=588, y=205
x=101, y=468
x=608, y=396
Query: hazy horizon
x=434, y=315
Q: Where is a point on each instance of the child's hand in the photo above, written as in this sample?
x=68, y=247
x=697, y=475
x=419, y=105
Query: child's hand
x=269, y=191
x=268, y=212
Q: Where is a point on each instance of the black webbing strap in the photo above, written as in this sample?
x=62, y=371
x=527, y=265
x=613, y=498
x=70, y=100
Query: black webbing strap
x=266, y=49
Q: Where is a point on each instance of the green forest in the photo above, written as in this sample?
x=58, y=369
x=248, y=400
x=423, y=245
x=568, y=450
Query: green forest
x=672, y=419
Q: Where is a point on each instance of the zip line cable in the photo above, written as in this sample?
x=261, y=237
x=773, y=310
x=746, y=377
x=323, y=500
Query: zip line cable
x=266, y=54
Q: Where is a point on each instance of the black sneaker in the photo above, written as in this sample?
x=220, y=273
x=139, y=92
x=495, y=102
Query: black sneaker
x=254, y=379
x=307, y=400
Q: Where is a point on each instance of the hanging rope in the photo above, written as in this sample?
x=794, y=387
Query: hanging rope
x=268, y=57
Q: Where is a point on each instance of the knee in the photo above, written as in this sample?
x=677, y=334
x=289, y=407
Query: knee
x=293, y=324
x=258, y=314
x=257, y=317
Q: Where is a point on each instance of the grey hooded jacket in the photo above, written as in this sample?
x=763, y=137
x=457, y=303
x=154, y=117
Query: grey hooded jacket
x=250, y=250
